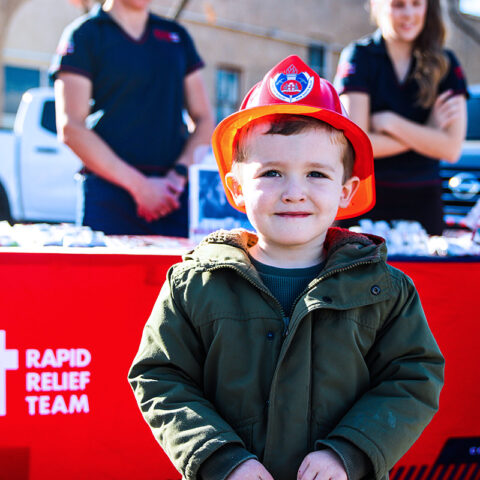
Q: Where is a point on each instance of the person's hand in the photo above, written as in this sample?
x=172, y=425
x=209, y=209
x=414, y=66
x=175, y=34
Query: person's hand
x=382, y=122
x=177, y=181
x=446, y=110
x=322, y=465
x=157, y=197
x=250, y=470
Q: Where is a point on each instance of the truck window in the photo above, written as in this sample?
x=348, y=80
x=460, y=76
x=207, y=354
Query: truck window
x=48, y=116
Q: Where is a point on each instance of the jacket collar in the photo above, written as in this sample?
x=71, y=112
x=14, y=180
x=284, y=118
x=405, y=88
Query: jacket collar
x=224, y=247
x=343, y=248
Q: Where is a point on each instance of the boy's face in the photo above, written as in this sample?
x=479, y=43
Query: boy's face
x=291, y=187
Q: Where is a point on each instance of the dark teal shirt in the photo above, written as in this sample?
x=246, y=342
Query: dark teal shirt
x=286, y=284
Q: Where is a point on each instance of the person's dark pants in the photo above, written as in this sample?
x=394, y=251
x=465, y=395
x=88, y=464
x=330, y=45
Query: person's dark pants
x=423, y=204
x=112, y=210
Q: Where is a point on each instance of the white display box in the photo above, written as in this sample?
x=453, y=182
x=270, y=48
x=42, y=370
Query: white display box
x=209, y=207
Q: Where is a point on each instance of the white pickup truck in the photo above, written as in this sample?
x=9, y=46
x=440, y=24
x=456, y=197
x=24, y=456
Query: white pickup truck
x=37, y=173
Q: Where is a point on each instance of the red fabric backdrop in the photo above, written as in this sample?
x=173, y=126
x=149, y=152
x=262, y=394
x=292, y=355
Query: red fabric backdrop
x=65, y=305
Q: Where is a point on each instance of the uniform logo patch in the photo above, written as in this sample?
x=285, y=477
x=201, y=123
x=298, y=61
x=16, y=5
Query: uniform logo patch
x=459, y=72
x=166, y=36
x=65, y=48
x=345, y=69
x=291, y=86
x=174, y=37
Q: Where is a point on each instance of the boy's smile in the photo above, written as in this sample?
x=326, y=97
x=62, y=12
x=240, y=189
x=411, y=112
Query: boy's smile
x=291, y=187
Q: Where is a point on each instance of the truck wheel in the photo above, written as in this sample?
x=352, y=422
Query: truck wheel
x=4, y=206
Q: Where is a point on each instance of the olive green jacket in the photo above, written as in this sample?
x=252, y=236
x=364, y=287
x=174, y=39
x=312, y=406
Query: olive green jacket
x=216, y=366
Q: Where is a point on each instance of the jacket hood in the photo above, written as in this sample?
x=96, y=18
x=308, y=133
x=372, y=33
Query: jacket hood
x=342, y=247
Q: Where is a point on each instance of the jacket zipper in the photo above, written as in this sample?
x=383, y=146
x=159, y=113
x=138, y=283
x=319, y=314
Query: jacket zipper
x=314, y=284
x=289, y=333
x=321, y=278
x=286, y=325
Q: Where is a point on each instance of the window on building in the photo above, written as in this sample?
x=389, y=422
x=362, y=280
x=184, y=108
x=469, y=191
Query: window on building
x=228, y=91
x=316, y=59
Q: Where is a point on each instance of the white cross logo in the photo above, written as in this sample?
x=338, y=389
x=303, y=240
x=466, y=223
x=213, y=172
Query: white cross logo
x=8, y=361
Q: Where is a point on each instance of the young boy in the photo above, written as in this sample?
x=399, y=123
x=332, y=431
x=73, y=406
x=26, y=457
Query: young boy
x=294, y=352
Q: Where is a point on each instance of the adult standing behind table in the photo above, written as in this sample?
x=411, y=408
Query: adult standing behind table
x=134, y=72
x=408, y=94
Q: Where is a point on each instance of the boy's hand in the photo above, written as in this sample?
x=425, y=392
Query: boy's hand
x=322, y=465
x=250, y=470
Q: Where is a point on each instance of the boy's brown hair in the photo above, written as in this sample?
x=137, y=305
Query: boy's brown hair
x=284, y=124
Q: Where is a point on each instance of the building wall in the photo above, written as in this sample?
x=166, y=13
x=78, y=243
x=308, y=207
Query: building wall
x=35, y=31
x=249, y=36
x=467, y=50
x=252, y=36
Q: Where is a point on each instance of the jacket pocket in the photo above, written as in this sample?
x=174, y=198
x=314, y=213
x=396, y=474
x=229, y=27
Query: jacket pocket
x=319, y=431
x=252, y=432
x=245, y=432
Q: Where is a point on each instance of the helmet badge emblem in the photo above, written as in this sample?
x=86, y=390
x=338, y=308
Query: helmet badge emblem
x=291, y=86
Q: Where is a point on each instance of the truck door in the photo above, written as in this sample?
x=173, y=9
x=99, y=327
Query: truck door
x=47, y=169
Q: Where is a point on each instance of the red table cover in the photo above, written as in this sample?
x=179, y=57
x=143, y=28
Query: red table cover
x=70, y=327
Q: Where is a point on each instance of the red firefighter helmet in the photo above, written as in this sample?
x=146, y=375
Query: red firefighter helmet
x=292, y=87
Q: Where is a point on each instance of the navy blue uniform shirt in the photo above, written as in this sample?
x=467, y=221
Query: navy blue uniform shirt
x=137, y=84
x=365, y=66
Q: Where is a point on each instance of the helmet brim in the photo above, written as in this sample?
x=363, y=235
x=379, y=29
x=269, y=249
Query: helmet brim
x=224, y=136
